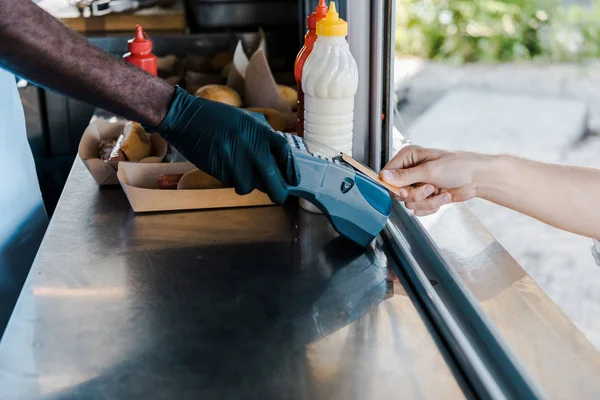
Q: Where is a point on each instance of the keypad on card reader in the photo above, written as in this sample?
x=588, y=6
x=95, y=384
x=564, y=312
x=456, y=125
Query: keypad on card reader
x=295, y=141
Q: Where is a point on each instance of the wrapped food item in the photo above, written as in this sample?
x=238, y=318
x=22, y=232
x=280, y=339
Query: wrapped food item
x=117, y=154
x=133, y=144
x=105, y=148
x=237, y=71
x=220, y=93
x=99, y=140
x=260, y=88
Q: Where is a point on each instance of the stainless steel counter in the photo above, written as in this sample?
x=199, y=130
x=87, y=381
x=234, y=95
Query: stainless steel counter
x=248, y=303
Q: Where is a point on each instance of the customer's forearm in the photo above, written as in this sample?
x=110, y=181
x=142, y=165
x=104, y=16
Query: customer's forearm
x=39, y=48
x=562, y=196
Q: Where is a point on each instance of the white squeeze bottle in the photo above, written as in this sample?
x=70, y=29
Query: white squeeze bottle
x=329, y=83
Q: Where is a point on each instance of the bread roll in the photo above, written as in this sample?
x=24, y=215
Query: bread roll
x=220, y=93
x=290, y=95
x=198, y=179
x=133, y=144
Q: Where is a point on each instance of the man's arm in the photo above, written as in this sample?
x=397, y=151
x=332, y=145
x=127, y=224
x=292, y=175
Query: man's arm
x=39, y=48
x=562, y=196
x=237, y=148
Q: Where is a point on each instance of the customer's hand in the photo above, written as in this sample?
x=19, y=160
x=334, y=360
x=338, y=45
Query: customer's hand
x=237, y=147
x=431, y=178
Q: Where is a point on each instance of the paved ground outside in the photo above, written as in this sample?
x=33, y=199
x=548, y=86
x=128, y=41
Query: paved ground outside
x=549, y=113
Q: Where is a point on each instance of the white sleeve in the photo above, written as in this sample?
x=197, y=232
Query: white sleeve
x=596, y=251
x=20, y=193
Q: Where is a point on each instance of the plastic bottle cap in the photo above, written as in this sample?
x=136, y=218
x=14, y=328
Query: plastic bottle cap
x=332, y=24
x=140, y=44
x=317, y=15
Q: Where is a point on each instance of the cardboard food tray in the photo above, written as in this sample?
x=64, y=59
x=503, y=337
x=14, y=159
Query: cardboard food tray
x=139, y=182
x=105, y=172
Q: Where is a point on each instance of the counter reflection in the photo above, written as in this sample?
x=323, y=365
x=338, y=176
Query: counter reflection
x=262, y=303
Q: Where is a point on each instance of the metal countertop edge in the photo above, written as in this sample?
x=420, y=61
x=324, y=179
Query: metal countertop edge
x=486, y=361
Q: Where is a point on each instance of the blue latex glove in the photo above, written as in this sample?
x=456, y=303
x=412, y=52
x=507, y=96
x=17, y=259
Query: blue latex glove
x=235, y=146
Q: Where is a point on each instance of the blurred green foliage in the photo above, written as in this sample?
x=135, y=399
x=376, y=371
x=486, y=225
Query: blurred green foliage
x=464, y=31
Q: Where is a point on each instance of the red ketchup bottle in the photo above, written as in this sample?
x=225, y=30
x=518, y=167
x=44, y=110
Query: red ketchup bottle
x=140, y=52
x=309, y=42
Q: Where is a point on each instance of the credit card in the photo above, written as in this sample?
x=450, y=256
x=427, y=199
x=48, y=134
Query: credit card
x=357, y=165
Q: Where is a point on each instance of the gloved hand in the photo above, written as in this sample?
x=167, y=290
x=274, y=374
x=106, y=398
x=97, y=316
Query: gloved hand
x=237, y=147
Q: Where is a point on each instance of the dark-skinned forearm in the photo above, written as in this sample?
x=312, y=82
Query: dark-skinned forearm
x=36, y=46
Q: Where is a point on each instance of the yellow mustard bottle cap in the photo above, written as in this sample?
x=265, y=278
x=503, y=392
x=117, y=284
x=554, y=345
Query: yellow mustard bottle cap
x=332, y=24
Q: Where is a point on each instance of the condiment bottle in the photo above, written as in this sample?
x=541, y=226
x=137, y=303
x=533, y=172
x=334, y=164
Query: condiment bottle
x=329, y=82
x=140, y=52
x=309, y=41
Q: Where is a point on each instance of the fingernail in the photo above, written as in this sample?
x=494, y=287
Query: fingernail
x=403, y=193
x=429, y=190
x=387, y=175
x=447, y=198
